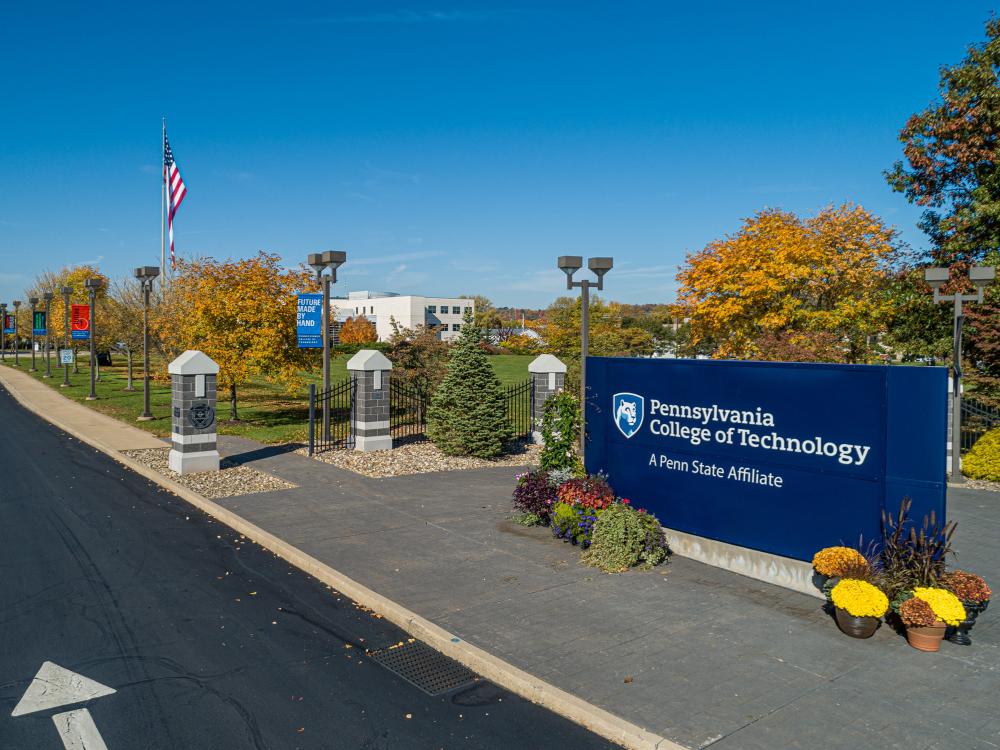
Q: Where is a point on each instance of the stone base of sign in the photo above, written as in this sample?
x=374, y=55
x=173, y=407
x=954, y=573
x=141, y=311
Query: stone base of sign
x=191, y=463
x=373, y=443
x=763, y=566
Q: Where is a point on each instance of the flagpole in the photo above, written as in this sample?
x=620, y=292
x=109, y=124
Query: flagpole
x=163, y=207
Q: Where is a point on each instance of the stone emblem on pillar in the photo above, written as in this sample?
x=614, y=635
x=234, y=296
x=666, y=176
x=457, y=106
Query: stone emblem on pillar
x=193, y=437
x=548, y=376
x=371, y=371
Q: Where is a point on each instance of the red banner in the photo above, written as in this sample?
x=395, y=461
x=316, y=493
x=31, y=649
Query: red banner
x=80, y=322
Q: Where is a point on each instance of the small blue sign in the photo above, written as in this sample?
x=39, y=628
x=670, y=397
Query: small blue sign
x=309, y=321
x=785, y=458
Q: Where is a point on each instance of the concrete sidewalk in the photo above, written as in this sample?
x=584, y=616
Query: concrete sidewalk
x=694, y=653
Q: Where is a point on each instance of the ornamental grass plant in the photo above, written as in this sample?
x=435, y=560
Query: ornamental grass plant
x=912, y=556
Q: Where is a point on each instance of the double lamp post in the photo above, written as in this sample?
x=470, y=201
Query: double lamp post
x=570, y=264
x=320, y=262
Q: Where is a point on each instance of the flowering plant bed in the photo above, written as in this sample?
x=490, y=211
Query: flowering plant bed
x=585, y=511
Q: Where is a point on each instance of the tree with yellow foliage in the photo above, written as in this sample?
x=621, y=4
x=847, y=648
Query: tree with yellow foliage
x=357, y=330
x=789, y=287
x=241, y=313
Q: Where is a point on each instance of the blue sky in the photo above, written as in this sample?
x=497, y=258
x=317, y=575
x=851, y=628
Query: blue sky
x=453, y=148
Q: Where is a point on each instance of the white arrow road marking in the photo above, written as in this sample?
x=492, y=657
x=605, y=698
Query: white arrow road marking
x=78, y=731
x=55, y=686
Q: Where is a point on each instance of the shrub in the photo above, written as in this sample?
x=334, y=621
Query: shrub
x=945, y=604
x=831, y=561
x=560, y=432
x=983, y=459
x=591, y=492
x=968, y=587
x=624, y=537
x=916, y=612
x=859, y=598
x=468, y=412
x=534, y=494
x=574, y=523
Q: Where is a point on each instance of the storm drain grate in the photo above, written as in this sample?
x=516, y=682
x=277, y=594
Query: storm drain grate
x=425, y=668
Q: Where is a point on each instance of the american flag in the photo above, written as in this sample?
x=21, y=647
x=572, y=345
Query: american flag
x=176, y=191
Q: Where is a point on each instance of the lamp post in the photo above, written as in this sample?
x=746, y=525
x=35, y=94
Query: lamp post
x=66, y=292
x=33, y=301
x=981, y=276
x=93, y=284
x=3, y=331
x=146, y=275
x=17, y=309
x=570, y=264
x=320, y=262
x=48, y=327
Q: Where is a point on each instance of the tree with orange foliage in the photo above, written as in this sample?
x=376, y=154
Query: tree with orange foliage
x=783, y=284
x=241, y=313
x=358, y=330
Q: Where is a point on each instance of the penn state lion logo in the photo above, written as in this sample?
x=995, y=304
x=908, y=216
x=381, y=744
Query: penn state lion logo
x=629, y=409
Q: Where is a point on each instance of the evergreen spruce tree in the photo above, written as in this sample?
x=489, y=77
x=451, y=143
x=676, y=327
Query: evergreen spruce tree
x=468, y=412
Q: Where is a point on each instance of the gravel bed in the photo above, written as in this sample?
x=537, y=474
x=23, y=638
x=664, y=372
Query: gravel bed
x=231, y=480
x=982, y=484
x=420, y=458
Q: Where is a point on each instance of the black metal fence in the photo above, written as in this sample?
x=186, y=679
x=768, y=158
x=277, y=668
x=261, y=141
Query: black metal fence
x=521, y=407
x=407, y=410
x=977, y=419
x=330, y=416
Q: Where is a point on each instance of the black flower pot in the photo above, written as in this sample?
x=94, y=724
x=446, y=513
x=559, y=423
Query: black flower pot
x=959, y=634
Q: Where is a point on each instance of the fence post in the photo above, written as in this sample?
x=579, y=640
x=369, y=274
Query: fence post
x=548, y=376
x=371, y=371
x=312, y=417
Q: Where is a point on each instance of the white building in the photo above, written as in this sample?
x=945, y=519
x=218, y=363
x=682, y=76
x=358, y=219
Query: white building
x=408, y=310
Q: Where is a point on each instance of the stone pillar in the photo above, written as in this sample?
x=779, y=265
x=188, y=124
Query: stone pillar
x=193, y=440
x=371, y=371
x=548, y=374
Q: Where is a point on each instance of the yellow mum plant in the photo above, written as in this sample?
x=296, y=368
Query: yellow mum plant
x=945, y=604
x=859, y=598
x=831, y=561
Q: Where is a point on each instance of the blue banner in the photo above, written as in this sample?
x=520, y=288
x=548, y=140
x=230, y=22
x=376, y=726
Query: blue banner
x=39, y=323
x=779, y=457
x=8, y=324
x=309, y=321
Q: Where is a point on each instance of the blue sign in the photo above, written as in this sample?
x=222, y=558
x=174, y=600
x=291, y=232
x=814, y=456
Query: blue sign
x=39, y=323
x=309, y=321
x=785, y=458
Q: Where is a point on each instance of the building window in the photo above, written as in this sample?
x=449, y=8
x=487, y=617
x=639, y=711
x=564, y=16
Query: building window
x=456, y=310
x=432, y=309
x=456, y=326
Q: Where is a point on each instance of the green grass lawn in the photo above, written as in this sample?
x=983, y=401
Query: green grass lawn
x=267, y=412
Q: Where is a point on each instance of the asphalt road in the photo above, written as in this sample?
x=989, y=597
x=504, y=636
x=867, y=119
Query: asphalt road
x=208, y=640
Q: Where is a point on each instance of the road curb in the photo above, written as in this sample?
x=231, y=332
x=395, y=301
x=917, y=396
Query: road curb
x=565, y=704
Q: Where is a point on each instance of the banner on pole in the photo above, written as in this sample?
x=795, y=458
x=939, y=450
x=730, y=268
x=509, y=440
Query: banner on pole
x=8, y=323
x=39, y=325
x=80, y=322
x=309, y=321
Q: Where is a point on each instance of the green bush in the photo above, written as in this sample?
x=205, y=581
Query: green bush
x=983, y=460
x=560, y=433
x=623, y=538
x=467, y=415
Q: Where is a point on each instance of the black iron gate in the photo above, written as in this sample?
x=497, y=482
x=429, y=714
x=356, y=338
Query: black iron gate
x=521, y=407
x=407, y=410
x=977, y=420
x=331, y=416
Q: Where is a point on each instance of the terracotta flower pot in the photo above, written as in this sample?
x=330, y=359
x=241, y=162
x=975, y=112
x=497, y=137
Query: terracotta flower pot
x=856, y=627
x=925, y=638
